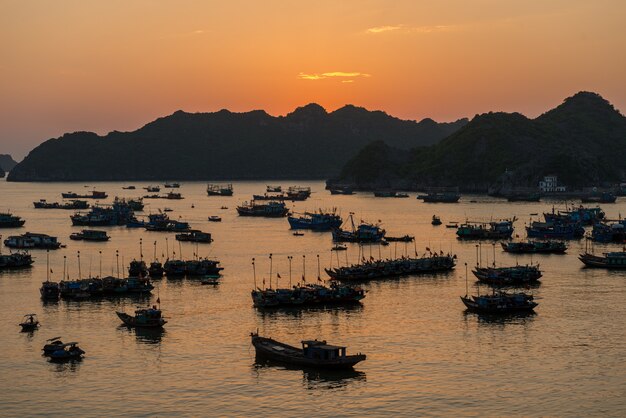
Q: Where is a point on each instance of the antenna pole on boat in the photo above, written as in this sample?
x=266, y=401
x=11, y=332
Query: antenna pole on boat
x=254, y=273
x=347, y=263
x=79, y=273
x=47, y=265
x=100, y=263
x=303, y=268
x=155, y=257
x=494, y=254
x=289, y=258
x=466, y=282
x=64, y=265
x=117, y=262
x=319, y=278
x=140, y=249
x=477, y=265
x=415, y=247
x=271, y=265
x=480, y=250
x=167, y=249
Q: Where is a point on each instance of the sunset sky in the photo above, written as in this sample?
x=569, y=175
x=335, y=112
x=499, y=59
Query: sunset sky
x=116, y=65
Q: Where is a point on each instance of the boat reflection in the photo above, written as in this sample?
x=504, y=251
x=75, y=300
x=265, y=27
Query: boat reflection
x=494, y=319
x=297, y=312
x=151, y=336
x=65, y=367
x=315, y=379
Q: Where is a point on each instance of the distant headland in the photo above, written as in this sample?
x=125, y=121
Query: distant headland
x=308, y=143
x=582, y=142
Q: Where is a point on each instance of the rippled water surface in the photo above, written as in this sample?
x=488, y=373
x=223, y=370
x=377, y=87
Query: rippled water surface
x=426, y=356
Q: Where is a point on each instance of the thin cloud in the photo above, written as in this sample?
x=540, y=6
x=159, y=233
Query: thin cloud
x=381, y=29
x=409, y=29
x=333, y=74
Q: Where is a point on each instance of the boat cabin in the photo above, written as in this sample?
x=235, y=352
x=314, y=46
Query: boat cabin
x=319, y=350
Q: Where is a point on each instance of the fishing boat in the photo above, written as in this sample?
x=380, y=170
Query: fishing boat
x=144, y=318
x=314, y=353
x=90, y=235
x=74, y=204
x=137, y=268
x=404, y=238
x=273, y=189
x=339, y=247
x=390, y=193
x=49, y=290
x=119, y=212
x=268, y=210
x=581, y=214
x=152, y=189
x=307, y=295
x=316, y=221
x=29, y=323
x=298, y=193
x=52, y=345
x=162, y=223
x=436, y=220
x=174, y=196
x=166, y=209
x=609, y=232
x=155, y=269
x=508, y=276
x=550, y=230
x=219, y=190
x=452, y=225
x=195, y=235
x=8, y=220
x=534, y=246
x=136, y=205
x=31, y=240
x=66, y=352
x=199, y=267
x=365, y=232
x=93, y=195
x=172, y=185
x=486, y=230
x=215, y=218
x=15, y=260
x=611, y=260
x=344, y=190
x=384, y=269
x=604, y=197
x=500, y=302
x=128, y=187
x=446, y=197
x=297, y=234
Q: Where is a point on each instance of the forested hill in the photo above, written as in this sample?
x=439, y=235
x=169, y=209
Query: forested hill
x=582, y=141
x=307, y=143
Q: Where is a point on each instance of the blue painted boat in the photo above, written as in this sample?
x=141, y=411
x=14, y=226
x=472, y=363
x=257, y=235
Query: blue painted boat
x=555, y=230
x=365, y=232
x=316, y=221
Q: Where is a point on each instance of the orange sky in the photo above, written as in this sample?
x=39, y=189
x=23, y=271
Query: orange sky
x=116, y=65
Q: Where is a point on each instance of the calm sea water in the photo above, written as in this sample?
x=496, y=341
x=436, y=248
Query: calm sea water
x=426, y=356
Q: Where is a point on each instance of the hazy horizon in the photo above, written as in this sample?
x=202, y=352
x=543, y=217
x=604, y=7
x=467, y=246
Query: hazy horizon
x=72, y=66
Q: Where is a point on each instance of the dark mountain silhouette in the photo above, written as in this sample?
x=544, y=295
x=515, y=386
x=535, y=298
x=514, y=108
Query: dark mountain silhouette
x=582, y=141
x=307, y=143
x=6, y=163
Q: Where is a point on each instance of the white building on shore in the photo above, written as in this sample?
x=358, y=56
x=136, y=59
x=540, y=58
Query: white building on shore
x=550, y=184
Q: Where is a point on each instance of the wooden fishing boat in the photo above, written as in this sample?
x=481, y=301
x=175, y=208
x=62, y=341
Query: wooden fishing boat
x=314, y=353
x=52, y=345
x=215, y=218
x=339, y=247
x=65, y=352
x=29, y=323
x=404, y=238
x=500, y=303
x=530, y=246
x=436, y=220
x=613, y=260
x=146, y=318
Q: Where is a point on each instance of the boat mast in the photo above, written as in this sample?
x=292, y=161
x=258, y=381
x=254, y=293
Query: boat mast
x=319, y=279
x=64, y=265
x=140, y=249
x=289, y=258
x=79, y=273
x=477, y=265
x=254, y=273
x=494, y=254
x=466, y=282
x=100, y=264
x=271, y=265
x=117, y=262
x=155, y=257
x=303, y=268
x=47, y=265
x=167, y=249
